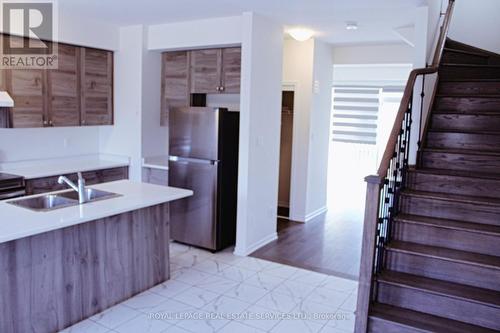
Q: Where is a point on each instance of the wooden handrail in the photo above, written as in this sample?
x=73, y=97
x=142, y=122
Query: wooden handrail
x=408, y=92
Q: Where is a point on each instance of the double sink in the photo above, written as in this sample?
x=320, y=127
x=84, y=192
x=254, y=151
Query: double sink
x=59, y=200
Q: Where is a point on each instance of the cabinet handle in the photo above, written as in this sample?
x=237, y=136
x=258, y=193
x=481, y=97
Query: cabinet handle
x=51, y=123
x=217, y=89
x=221, y=88
x=83, y=121
x=45, y=123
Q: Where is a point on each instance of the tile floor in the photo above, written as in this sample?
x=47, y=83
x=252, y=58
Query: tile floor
x=225, y=293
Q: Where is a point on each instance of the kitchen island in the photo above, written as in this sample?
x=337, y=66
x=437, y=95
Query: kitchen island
x=62, y=266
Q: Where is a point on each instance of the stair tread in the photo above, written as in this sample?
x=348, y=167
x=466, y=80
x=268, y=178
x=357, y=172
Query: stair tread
x=457, y=173
x=492, y=113
x=453, y=197
x=444, y=288
x=461, y=151
x=469, y=95
x=451, y=49
x=469, y=65
x=422, y=321
x=468, y=80
x=446, y=254
x=450, y=224
x=464, y=131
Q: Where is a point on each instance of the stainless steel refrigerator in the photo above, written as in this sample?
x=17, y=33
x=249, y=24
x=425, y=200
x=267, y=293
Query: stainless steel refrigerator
x=203, y=148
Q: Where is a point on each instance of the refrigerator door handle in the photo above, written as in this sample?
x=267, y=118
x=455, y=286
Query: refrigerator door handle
x=192, y=160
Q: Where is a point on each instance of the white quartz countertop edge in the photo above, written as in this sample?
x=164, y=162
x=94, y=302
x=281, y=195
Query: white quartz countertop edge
x=17, y=222
x=41, y=171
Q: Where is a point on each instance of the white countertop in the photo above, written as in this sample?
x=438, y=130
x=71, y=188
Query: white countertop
x=156, y=162
x=17, y=222
x=59, y=166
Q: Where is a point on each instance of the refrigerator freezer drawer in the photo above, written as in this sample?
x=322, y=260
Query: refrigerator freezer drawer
x=193, y=220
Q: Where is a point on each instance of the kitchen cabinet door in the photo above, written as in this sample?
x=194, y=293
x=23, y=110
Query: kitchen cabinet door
x=206, y=71
x=27, y=89
x=175, y=82
x=231, y=70
x=64, y=88
x=97, y=87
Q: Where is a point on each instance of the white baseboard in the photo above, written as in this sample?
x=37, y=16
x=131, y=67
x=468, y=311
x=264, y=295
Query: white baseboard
x=310, y=216
x=316, y=213
x=254, y=247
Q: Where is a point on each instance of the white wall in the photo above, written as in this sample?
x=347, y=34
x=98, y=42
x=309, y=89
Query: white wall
x=40, y=143
x=196, y=34
x=373, y=54
x=298, y=60
x=124, y=138
x=262, y=47
x=154, y=136
x=477, y=23
x=319, y=139
x=308, y=67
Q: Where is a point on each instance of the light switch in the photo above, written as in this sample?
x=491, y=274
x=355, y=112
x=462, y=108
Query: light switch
x=316, y=87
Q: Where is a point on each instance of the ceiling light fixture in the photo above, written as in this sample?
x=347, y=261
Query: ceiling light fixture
x=351, y=26
x=301, y=34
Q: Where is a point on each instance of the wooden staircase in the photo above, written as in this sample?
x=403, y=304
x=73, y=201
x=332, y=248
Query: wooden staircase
x=441, y=269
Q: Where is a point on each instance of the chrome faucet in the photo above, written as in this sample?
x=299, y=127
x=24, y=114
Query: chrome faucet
x=80, y=188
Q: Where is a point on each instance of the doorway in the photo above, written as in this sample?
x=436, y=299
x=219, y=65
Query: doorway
x=285, y=171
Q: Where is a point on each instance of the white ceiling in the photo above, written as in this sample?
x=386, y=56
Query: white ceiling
x=376, y=18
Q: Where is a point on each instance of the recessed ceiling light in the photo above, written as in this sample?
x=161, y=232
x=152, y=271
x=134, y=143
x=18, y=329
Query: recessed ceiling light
x=351, y=25
x=301, y=34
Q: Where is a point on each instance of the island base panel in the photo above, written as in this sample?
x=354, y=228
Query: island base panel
x=53, y=280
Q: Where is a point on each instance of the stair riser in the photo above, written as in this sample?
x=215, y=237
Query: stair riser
x=455, y=239
x=447, y=307
x=469, y=88
x=464, y=162
x=436, y=268
x=450, y=73
x=467, y=104
x=481, y=142
x=465, y=122
x=467, y=212
x=454, y=184
x=384, y=326
x=450, y=57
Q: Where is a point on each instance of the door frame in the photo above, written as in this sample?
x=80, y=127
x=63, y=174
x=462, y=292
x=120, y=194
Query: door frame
x=292, y=86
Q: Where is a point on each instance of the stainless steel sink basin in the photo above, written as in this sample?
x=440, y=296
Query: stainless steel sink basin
x=44, y=203
x=50, y=202
x=90, y=195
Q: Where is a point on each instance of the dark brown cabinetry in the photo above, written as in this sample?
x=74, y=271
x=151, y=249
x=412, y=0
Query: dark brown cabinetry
x=63, y=88
x=79, y=92
x=216, y=71
x=175, y=81
x=97, y=87
x=187, y=76
x=49, y=184
x=231, y=70
x=27, y=89
x=206, y=71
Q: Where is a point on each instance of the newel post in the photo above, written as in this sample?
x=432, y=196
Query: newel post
x=367, y=252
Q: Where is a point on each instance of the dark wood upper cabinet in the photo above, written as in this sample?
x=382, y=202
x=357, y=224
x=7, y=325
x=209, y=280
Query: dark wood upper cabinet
x=231, y=70
x=97, y=87
x=175, y=82
x=64, y=88
x=216, y=71
x=27, y=88
x=79, y=92
x=206, y=66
